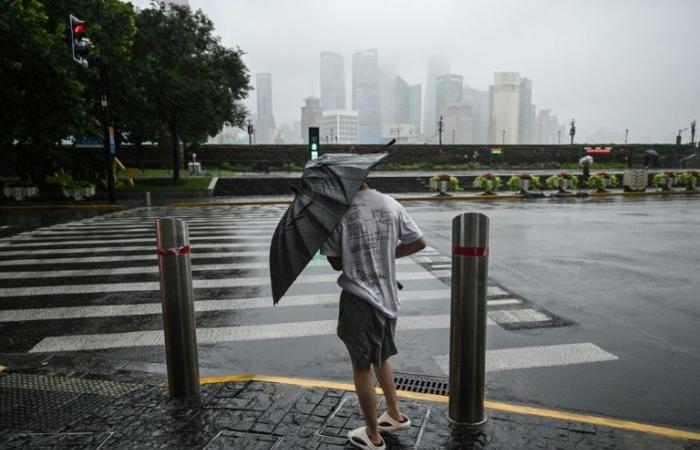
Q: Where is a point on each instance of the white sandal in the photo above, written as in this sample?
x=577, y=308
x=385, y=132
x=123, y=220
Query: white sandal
x=387, y=424
x=360, y=439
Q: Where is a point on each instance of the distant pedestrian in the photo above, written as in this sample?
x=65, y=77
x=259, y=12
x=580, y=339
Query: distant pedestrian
x=374, y=231
x=586, y=162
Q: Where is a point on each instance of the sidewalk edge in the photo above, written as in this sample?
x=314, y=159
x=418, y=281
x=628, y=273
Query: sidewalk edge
x=498, y=406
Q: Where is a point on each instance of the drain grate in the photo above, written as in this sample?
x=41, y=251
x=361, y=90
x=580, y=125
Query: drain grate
x=424, y=384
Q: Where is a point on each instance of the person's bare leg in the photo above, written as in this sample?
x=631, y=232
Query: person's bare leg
x=385, y=376
x=368, y=401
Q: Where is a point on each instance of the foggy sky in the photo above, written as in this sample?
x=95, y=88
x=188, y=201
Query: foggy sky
x=611, y=64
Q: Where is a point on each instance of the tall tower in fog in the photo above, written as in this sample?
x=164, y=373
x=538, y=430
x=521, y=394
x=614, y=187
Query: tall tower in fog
x=448, y=90
x=525, y=125
x=310, y=116
x=332, y=81
x=505, y=108
x=478, y=102
x=265, y=123
x=365, y=95
x=438, y=65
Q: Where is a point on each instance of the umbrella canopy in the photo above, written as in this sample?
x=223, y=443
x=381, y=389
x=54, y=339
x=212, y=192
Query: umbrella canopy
x=586, y=161
x=328, y=185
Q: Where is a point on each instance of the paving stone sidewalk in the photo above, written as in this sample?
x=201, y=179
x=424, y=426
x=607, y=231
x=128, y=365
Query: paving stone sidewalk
x=43, y=408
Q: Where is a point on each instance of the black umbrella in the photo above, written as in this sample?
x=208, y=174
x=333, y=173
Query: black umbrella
x=328, y=185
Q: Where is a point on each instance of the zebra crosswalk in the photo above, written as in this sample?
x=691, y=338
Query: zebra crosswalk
x=92, y=285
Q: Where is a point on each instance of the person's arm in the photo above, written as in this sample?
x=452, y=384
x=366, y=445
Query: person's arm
x=336, y=262
x=409, y=249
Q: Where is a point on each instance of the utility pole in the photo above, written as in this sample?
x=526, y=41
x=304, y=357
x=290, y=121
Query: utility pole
x=440, y=130
x=453, y=137
x=572, y=130
x=627, y=134
x=503, y=137
x=692, y=133
x=107, y=130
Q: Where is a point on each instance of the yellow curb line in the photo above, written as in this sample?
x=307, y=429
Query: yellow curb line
x=436, y=198
x=498, y=406
x=89, y=206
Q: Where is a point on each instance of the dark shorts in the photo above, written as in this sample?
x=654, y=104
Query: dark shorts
x=366, y=332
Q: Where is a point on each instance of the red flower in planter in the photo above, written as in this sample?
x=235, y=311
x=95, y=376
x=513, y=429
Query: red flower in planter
x=444, y=177
x=488, y=176
x=603, y=174
x=565, y=175
x=525, y=176
x=669, y=174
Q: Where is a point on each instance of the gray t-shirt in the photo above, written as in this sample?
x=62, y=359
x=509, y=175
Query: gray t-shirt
x=366, y=239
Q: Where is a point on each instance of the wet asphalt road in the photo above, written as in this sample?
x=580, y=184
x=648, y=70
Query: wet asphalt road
x=618, y=276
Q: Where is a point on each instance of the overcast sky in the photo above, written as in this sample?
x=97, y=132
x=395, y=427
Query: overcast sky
x=611, y=64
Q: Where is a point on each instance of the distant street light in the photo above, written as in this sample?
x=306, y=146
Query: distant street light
x=572, y=130
x=692, y=132
x=627, y=134
x=440, y=129
x=453, y=137
x=503, y=138
x=559, y=137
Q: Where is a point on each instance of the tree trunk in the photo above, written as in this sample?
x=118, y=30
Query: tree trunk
x=176, y=154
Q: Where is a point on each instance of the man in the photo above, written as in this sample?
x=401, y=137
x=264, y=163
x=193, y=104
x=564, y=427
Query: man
x=374, y=231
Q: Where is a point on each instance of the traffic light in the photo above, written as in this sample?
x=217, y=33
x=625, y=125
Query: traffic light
x=314, y=141
x=80, y=45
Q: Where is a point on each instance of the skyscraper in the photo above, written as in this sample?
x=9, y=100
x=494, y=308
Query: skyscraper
x=438, y=65
x=265, y=124
x=525, y=124
x=458, y=124
x=542, y=134
x=505, y=108
x=448, y=90
x=414, y=106
x=478, y=102
x=310, y=116
x=365, y=95
x=332, y=81
x=341, y=127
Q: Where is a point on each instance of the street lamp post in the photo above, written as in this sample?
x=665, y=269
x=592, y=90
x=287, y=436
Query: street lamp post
x=440, y=130
x=453, y=137
x=572, y=130
x=627, y=134
x=559, y=137
x=503, y=137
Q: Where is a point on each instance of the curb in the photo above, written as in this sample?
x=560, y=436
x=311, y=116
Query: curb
x=609, y=422
x=439, y=198
x=63, y=206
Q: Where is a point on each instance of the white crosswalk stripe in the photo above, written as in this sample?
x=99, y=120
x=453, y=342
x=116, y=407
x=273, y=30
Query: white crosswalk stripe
x=84, y=269
x=537, y=356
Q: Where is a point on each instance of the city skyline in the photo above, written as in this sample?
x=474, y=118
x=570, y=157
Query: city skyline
x=634, y=70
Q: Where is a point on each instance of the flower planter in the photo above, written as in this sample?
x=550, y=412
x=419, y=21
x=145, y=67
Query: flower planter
x=433, y=185
x=79, y=193
x=489, y=187
x=669, y=183
x=444, y=186
x=690, y=185
x=20, y=193
x=525, y=185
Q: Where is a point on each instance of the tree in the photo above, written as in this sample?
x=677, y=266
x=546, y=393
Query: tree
x=41, y=94
x=192, y=84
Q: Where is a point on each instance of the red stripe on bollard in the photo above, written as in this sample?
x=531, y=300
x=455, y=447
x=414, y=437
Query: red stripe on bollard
x=184, y=250
x=469, y=251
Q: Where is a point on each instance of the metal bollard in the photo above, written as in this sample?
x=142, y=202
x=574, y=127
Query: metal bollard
x=470, y=239
x=175, y=267
x=148, y=198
